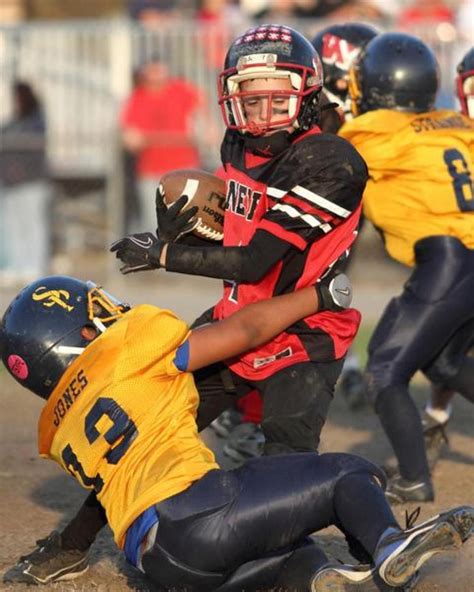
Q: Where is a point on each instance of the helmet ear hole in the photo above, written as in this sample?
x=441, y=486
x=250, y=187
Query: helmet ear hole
x=89, y=332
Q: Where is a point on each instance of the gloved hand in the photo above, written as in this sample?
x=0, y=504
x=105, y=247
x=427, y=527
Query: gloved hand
x=171, y=223
x=139, y=252
x=334, y=292
x=49, y=562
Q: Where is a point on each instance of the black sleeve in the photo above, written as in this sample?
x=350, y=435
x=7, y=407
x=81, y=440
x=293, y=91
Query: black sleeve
x=240, y=264
x=80, y=533
x=315, y=189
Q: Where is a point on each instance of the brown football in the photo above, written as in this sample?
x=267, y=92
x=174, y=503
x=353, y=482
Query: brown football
x=206, y=191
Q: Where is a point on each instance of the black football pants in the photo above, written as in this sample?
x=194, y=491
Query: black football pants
x=296, y=401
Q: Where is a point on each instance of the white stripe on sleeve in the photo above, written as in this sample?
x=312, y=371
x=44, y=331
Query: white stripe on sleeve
x=294, y=213
x=321, y=201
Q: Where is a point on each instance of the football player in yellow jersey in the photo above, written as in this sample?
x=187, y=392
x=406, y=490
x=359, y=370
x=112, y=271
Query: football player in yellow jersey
x=438, y=409
x=420, y=197
x=120, y=417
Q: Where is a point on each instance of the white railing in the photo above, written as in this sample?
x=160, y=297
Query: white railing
x=83, y=72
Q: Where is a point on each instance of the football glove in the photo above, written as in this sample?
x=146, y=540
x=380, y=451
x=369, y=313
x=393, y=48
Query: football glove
x=49, y=562
x=334, y=292
x=171, y=223
x=139, y=252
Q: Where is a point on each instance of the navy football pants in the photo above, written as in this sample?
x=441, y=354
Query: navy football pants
x=245, y=529
x=430, y=327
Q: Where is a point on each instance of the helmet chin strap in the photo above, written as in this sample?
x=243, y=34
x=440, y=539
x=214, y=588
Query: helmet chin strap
x=271, y=145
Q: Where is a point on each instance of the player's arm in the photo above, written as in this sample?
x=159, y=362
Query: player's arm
x=257, y=323
x=144, y=251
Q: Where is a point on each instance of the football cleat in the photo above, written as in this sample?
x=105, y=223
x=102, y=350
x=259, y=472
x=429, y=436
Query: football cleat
x=49, y=562
x=400, y=553
x=353, y=388
x=246, y=441
x=354, y=578
x=400, y=490
x=436, y=439
x=226, y=422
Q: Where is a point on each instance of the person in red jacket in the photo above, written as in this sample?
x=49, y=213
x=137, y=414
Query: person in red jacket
x=157, y=127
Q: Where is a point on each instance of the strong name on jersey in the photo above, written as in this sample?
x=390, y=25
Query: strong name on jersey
x=309, y=196
x=122, y=418
x=420, y=181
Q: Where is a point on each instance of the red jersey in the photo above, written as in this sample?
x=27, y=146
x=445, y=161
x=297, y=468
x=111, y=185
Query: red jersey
x=310, y=196
x=167, y=112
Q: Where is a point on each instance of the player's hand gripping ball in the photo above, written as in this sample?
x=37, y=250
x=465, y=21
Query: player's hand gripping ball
x=204, y=191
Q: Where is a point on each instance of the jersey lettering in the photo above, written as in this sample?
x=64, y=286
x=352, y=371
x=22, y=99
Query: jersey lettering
x=73, y=390
x=462, y=181
x=242, y=200
x=123, y=430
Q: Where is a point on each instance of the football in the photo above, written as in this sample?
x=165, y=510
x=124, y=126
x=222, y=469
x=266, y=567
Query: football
x=206, y=191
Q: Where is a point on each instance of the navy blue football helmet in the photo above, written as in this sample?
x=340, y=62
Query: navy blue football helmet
x=49, y=324
x=338, y=46
x=394, y=71
x=271, y=51
x=465, y=83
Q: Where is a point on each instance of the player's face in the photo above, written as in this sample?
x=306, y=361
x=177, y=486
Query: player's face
x=267, y=102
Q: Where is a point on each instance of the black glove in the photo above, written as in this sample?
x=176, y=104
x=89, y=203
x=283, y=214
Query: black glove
x=139, y=252
x=334, y=292
x=171, y=223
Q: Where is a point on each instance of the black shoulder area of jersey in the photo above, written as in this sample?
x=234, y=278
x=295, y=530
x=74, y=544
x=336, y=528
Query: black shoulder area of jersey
x=326, y=165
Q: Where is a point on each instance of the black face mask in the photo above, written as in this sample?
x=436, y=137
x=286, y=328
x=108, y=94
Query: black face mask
x=271, y=145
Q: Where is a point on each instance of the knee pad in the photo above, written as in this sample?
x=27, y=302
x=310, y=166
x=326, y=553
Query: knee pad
x=350, y=464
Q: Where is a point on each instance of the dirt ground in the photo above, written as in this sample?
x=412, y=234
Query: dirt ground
x=36, y=497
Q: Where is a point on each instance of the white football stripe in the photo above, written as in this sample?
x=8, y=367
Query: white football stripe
x=190, y=188
x=321, y=201
x=294, y=213
x=275, y=193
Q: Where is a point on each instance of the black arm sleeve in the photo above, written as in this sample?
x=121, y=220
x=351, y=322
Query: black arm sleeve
x=80, y=533
x=241, y=264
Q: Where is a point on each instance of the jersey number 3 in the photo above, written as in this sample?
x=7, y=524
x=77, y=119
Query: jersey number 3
x=461, y=178
x=120, y=436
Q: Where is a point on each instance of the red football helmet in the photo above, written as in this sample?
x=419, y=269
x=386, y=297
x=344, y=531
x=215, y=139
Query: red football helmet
x=271, y=52
x=465, y=83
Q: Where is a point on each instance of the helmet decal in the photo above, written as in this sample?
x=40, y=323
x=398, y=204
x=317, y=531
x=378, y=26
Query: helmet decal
x=52, y=297
x=17, y=366
x=338, y=52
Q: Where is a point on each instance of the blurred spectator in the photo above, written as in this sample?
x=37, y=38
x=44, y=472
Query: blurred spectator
x=421, y=12
x=153, y=13
x=158, y=125
x=344, y=9
x=25, y=192
x=218, y=20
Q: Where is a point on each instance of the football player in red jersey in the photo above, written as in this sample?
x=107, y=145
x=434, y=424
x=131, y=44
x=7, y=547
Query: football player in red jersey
x=292, y=210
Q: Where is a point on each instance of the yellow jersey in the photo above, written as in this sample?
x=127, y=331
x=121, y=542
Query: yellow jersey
x=420, y=176
x=122, y=418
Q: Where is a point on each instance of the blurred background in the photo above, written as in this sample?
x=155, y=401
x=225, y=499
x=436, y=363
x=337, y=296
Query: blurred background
x=70, y=89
